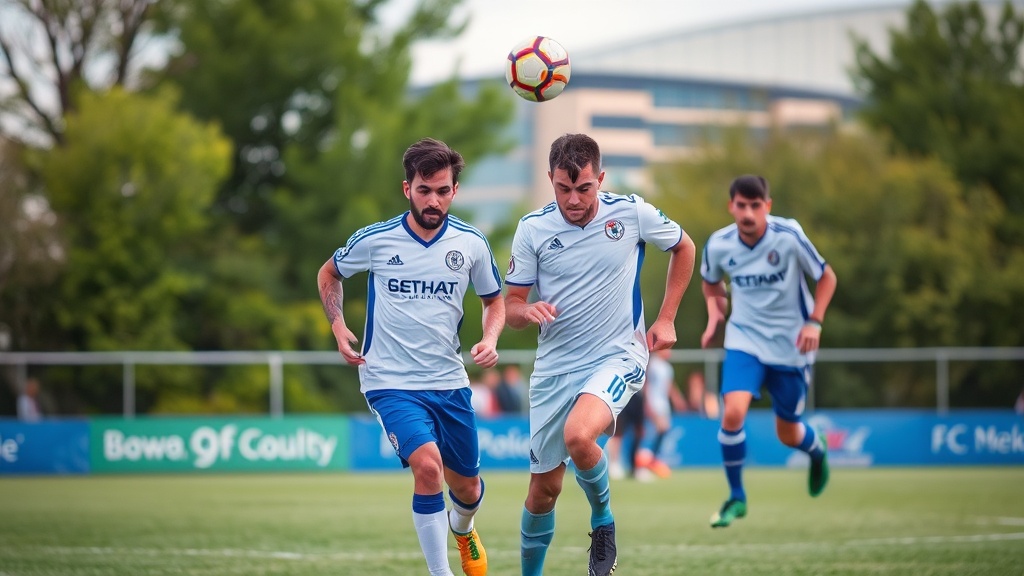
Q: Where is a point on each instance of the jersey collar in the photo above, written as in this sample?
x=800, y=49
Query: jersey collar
x=425, y=243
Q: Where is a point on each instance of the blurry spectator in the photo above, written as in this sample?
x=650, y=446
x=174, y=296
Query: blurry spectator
x=698, y=398
x=510, y=390
x=484, y=400
x=1018, y=406
x=28, y=401
x=660, y=397
x=630, y=422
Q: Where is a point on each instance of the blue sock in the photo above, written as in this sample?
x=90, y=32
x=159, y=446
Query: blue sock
x=811, y=444
x=734, y=452
x=535, y=534
x=595, y=485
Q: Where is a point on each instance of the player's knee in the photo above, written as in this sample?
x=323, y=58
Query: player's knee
x=577, y=442
x=789, y=433
x=427, y=472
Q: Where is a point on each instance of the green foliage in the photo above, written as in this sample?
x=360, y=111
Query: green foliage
x=130, y=185
x=952, y=87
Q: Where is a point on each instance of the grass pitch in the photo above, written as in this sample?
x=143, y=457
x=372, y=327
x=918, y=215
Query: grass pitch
x=924, y=521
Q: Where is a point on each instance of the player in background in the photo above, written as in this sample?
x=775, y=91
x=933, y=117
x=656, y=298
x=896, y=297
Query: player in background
x=772, y=332
x=582, y=255
x=661, y=398
x=411, y=370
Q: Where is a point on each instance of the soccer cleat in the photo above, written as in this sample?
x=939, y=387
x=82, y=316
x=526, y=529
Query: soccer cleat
x=471, y=550
x=817, y=476
x=660, y=469
x=643, y=458
x=603, y=559
x=731, y=510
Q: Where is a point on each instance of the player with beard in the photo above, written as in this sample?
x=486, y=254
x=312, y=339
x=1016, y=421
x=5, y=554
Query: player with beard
x=411, y=370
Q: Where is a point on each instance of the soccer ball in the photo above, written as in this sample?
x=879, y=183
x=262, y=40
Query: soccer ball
x=537, y=68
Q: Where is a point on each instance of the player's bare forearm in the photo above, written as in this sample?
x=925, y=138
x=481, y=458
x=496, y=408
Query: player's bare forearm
x=331, y=294
x=823, y=292
x=493, y=319
x=717, y=300
x=484, y=352
x=519, y=313
x=680, y=270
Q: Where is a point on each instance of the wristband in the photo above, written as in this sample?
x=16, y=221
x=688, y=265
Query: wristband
x=814, y=323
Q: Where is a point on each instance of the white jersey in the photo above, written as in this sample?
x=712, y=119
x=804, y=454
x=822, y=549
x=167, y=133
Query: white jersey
x=414, y=301
x=768, y=285
x=591, y=275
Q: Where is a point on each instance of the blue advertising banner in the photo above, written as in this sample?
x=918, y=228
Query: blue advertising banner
x=504, y=445
x=856, y=438
x=57, y=447
x=863, y=438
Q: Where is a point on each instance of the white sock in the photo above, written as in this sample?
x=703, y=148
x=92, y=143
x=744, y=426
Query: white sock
x=432, y=530
x=461, y=515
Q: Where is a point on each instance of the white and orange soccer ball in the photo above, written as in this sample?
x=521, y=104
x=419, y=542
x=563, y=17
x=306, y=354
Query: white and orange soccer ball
x=538, y=68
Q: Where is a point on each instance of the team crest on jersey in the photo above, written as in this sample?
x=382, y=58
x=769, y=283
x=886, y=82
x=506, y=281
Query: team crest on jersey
x=454, y=260
x=614, y=229
x=394, y=442
x=511, y=265
x=773, y=257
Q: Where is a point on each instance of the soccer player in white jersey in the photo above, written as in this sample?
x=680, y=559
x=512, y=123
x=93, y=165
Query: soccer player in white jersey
x=582, y=255
x=411, y=371
x=772, y=332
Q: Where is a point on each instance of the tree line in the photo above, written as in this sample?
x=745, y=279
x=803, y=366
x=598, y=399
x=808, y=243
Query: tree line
x=185, y=202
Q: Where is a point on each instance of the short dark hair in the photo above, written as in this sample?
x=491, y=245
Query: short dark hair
x=750, y=186
x=428, y=156
x=572, y=153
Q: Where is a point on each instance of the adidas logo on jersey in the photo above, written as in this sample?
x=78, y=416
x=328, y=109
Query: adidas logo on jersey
x=732, y=262
x=533, y=457
x=556, y=244
x=395, y=261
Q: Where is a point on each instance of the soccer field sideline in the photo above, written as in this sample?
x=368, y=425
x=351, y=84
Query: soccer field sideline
x=945, y=521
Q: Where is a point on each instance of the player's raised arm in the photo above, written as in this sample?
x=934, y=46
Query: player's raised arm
x=662, y=334
x=485, y=352
x=519, y=314
x=331, y=296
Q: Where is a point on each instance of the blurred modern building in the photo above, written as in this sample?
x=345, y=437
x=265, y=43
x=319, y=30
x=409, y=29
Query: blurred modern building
x=656, y=99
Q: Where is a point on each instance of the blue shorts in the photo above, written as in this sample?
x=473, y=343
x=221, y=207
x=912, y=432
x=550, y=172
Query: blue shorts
x=787, y=385
x=412, y=418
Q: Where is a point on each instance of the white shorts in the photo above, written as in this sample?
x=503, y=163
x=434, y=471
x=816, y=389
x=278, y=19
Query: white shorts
x=614, y=380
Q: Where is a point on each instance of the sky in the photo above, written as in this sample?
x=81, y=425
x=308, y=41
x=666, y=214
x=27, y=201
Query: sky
x=582, y=25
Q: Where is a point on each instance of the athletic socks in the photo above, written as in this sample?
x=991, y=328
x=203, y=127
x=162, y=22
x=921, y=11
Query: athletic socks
x=461, y=515
x=431, y=522
x=595, y=485
x=536, y=532
x=734, y=453
x=811, y=444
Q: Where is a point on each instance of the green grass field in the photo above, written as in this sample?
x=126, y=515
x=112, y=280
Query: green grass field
x=878, y=521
